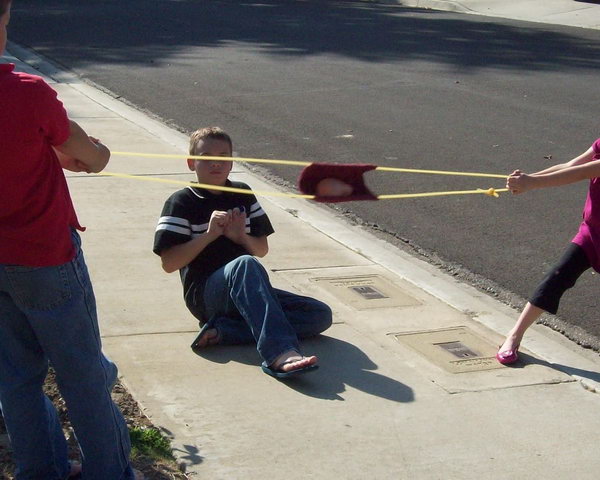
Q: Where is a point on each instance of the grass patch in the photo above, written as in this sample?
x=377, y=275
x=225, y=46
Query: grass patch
x=149, y=442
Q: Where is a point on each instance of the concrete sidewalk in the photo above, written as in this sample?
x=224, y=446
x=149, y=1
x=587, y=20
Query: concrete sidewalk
x=573, y=13
x=408, y=387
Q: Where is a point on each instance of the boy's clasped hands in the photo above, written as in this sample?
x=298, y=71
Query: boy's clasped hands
x=231, y=223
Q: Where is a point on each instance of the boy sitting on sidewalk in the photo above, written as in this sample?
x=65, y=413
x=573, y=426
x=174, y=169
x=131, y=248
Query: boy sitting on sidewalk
x=212, y=237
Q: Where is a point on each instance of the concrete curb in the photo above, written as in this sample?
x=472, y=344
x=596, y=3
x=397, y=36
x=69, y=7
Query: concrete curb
x=448, y=6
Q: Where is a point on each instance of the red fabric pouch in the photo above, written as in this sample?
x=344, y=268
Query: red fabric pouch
x=351, y=174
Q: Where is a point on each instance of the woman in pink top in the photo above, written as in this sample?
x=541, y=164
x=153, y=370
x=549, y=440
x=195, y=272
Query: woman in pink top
x=583, y=253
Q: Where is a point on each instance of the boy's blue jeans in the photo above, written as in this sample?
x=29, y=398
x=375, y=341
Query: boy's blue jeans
x=48, y=314
x=243, y=306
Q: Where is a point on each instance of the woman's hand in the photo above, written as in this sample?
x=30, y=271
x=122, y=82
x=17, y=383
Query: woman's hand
x=519, y=182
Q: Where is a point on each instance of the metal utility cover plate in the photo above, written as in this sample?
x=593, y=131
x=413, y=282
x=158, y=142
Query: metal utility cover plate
x=364, y=292
x=456, y=349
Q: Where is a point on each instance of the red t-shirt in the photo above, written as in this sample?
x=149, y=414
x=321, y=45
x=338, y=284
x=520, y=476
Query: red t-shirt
x=36, y=212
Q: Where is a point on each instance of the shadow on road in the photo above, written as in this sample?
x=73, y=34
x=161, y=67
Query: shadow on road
x=144, y=32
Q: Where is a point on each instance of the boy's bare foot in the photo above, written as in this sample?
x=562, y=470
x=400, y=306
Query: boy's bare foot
x=291, y=360
x=207, y=338
x=137, y=475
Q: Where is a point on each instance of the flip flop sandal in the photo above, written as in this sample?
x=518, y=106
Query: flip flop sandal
x=278, y=373
x=202, y=341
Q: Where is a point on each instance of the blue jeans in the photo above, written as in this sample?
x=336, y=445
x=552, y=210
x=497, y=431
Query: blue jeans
x=243, y=306
x=48, y=314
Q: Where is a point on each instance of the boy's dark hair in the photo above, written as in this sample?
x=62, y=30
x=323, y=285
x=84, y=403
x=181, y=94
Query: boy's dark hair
x=208, y=132
x=4, y=6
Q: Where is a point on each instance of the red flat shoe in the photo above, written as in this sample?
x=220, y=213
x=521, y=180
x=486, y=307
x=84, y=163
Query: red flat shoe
x=508, y=357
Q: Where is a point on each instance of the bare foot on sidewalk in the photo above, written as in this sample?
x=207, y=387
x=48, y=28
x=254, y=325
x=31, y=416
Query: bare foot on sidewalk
x=209, y=337
x=291, y=360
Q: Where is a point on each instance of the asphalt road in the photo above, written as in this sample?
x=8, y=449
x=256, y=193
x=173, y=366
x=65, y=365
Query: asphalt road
x=365, y=82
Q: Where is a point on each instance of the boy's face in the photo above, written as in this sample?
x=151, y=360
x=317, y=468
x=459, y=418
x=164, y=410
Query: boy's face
x=4, y=19
x=212, y=172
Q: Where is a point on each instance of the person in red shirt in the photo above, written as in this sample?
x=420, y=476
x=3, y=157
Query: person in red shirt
x=47, y=306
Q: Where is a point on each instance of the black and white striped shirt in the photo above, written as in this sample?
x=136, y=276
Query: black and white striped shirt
x=186, y=214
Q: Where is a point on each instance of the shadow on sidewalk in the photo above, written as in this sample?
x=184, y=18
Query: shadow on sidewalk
x=341, y=364
x=525, y=359
x=190, y=454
